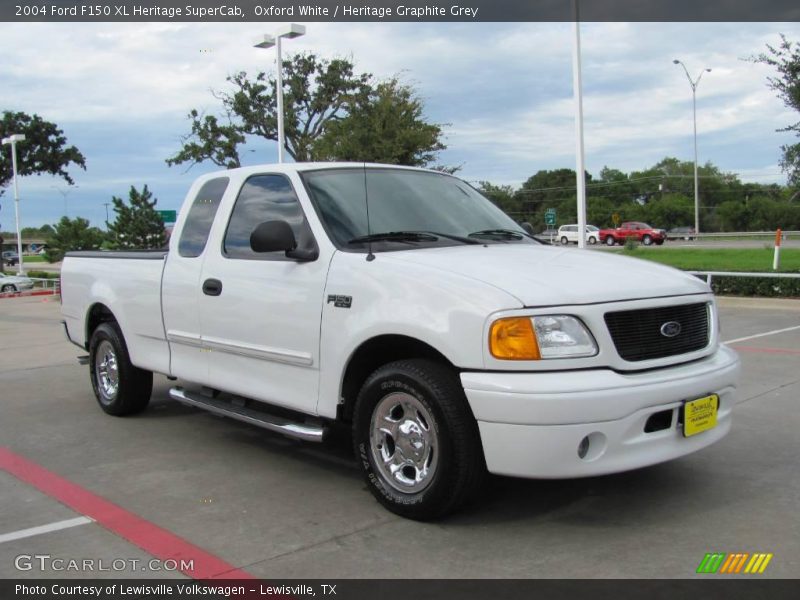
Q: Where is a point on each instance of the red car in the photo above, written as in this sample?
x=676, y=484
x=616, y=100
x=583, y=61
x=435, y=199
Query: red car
x=641, y=232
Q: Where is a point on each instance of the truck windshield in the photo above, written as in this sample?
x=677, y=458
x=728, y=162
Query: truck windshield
x=407, y=209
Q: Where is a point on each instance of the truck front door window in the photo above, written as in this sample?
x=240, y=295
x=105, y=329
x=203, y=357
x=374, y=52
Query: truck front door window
x=265, y=198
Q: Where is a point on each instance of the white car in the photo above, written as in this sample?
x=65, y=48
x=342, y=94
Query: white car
x=569, y=234
x=12, y=283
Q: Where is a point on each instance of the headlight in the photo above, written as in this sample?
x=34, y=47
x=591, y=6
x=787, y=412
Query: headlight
x=542, y=337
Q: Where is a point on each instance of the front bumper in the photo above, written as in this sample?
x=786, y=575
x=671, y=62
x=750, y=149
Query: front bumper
x=532, y=424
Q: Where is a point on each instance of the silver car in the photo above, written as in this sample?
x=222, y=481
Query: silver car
x=12, y=283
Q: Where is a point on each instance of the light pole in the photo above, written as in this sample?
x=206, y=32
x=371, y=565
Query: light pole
x=64, y=194
x=694, y=83
x=106, y=205
x=292, y=30
x=13, y=139
x=577, y=90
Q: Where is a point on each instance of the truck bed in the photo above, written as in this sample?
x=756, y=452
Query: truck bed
x=128, y=283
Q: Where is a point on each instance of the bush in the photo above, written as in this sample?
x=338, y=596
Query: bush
x=42, y=274
x=756, y=286
x=631, y=244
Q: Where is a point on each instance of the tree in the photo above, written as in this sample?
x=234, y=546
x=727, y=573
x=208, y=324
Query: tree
x=386, y=126
x=72, y=234
x=785, y=58
x=43, y=151
x=137, y=225
x=45, y=231
x=330, y=114
x=315, y=92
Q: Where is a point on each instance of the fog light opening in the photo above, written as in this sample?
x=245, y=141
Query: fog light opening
x=583, y=447
x=592, y=447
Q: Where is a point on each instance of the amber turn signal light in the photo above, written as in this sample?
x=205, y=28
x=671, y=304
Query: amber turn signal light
x=513, y=339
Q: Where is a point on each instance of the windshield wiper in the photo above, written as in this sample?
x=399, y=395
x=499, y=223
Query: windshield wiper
x=395, y=236
x=411, y=236
x=509, y=234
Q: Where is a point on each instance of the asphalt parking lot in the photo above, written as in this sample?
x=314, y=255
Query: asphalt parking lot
x=247, y=502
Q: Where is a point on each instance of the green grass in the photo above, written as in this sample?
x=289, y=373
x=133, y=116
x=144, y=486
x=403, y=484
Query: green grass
x=32, y=259
x=721, y=259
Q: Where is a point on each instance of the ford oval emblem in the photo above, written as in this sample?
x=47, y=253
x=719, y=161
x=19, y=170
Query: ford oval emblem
x=670, y=329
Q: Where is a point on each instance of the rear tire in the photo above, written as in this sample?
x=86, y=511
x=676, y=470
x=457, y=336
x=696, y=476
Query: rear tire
x=8, y=288
x=610, y=241
x=416, y=439
x=120, y=388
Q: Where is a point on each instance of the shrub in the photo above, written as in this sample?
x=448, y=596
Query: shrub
x=766, y=287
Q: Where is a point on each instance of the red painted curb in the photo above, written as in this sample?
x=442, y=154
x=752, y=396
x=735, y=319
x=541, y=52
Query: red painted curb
x=151, y=538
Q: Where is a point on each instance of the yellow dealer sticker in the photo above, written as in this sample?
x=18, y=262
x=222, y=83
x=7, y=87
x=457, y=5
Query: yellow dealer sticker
x=700, y=415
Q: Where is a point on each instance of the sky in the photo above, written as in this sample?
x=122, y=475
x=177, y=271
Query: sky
x=122, y=91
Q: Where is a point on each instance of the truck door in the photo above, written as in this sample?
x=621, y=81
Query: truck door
x=180, y=288
x=261, y=319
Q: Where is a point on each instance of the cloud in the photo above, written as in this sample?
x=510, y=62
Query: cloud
x=122, y=91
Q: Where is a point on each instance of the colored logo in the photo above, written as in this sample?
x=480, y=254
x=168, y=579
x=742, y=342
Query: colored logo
x=734, y=563
x=670, y=329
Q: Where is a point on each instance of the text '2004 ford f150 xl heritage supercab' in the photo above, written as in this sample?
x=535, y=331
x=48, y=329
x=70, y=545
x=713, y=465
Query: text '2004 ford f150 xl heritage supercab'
x=402, y=302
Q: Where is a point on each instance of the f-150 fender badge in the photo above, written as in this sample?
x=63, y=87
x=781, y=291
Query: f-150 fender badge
x=340, y=301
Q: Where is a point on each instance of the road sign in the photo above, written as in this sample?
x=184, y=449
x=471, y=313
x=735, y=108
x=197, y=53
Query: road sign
x=550, y=216
x=168, y=216
x=615, y=218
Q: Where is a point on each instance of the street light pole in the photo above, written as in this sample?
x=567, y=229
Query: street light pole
x=577, y=86
x=293, y=30
x=64, y=194
x=694, y=83
x=13, y=139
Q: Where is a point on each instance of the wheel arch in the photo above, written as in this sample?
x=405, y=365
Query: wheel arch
x=373, y=353
x=97, y=314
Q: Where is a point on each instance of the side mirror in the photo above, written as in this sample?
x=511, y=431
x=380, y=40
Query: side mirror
x=527, y=227
x=272, y=236
x=277, y=236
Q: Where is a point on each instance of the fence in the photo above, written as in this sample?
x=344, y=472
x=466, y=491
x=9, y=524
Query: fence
x=42, y=286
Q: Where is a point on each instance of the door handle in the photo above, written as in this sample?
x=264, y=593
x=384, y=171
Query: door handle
x=212, y=287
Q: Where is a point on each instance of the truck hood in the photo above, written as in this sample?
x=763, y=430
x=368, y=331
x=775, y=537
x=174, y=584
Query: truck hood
x=549, y=276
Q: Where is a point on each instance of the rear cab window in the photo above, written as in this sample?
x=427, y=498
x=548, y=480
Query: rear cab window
x=197, y=226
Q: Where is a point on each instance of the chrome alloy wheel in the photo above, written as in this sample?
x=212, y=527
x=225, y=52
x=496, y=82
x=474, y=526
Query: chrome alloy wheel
x=404, y=442
x=106, y=370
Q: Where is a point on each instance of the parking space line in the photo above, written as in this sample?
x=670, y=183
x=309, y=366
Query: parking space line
x=32, y=531
x=758, y=335
x=159, y=542
x=766, y=350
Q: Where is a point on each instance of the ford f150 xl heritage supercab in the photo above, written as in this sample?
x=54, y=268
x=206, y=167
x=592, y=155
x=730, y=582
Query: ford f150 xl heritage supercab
x=403, y=303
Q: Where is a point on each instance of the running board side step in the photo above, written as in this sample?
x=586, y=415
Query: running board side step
x=302, y=431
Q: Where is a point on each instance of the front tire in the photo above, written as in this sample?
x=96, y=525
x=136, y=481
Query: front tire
x=416, y=439
x=120, y=388
x=9, y=287
x=592, y=240
x=647, y=240
x=564, y=241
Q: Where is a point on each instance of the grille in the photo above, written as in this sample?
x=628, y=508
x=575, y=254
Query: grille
x=637, y=333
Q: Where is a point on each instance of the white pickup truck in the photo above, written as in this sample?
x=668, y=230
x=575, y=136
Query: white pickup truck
x=403, y=303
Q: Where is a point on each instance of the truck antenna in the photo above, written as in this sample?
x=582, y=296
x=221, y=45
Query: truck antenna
x=370, y=255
